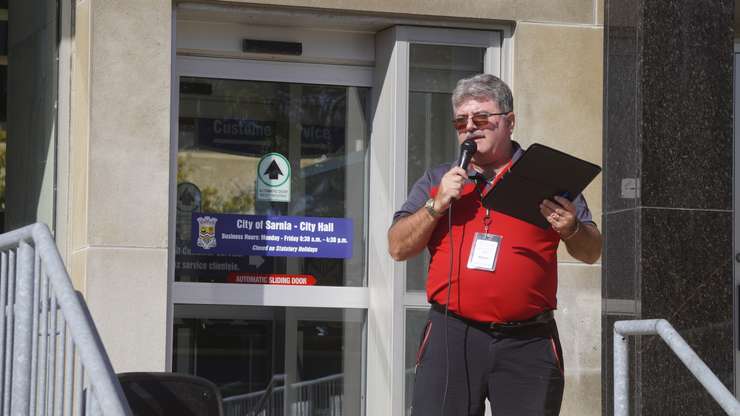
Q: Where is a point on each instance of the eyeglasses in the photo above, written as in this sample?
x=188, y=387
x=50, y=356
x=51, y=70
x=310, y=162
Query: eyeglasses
x=480, y=120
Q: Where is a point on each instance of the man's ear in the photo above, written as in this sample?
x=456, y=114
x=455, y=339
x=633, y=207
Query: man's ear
x=512, y=120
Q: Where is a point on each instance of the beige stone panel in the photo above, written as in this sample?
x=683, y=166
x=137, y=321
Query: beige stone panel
x=558, y=94
x=77, y=269
x=564, y=11
x=579, y=324
x=126, y=291
x=599, y=12
x=129, y=123
x=79, y=127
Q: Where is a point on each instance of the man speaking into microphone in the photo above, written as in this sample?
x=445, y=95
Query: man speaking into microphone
x=492, y=278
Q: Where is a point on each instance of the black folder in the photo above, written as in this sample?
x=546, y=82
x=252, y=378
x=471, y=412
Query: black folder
x=541, y=173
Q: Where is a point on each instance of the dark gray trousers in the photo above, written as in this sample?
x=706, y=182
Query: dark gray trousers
x=520, y=370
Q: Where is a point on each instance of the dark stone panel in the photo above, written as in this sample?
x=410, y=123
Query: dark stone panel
x=28, y=17
x=622, y=149
x=668, y=70
x=686, y=86
x=621, y=156
x=621, y=255
x=667, y=387
x=686, y=278
x=686, y=266
x=621, y=13
x=31, y=115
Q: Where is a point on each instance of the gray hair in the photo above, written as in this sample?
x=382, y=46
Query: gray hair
x=483, y=87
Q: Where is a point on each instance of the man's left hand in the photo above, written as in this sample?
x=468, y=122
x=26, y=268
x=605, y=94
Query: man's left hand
x=561, y=215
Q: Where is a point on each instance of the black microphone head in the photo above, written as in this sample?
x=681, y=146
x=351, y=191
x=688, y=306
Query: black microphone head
x=469, y=146
x=467, y=150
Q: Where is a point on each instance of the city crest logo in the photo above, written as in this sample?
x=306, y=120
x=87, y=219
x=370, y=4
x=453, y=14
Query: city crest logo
x=206, y=232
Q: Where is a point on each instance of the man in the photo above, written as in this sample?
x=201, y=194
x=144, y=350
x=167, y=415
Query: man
x=490, y=332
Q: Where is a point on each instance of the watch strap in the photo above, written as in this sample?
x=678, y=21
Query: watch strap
x=429, y=205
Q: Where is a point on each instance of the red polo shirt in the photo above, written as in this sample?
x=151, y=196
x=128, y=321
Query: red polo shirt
x=525, y=281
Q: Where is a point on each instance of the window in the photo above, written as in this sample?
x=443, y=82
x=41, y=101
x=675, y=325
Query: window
x=279, y=332
x=257, y=339
x=417, y=78
x=434, y=72
x=226, y=129
x=273, y=359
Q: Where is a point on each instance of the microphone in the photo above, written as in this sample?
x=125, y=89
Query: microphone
x=467, y=150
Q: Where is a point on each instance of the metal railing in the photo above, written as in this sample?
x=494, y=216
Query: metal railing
x=52, y=361
x=322, y=396
x=263, y=402
x=684, y=352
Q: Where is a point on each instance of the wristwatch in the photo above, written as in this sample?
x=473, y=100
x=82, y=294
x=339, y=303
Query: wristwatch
x=429, y=205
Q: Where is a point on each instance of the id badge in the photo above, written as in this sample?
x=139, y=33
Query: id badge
x=484, y=252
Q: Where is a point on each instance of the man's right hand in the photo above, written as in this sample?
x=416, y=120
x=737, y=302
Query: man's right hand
x=450, y=187
x=409, y=235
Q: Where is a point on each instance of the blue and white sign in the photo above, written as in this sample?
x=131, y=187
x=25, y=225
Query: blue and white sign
x=273, y=178
x=264, y=235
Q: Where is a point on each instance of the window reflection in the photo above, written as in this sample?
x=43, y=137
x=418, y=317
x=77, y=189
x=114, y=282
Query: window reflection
x=227, y=126
x=434, y=72
x=274, y=361
x=416, y=320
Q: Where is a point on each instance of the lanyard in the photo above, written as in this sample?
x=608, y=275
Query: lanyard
x=486, y=221
x=496, y=179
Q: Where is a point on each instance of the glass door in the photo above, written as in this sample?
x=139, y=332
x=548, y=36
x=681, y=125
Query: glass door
x=269, y=264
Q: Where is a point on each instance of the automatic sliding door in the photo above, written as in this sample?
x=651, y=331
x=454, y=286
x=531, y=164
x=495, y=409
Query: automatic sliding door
x=271, y=197
x=318, y=135
x=308, y=360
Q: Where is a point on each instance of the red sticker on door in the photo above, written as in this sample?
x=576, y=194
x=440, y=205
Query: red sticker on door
x=272, y=279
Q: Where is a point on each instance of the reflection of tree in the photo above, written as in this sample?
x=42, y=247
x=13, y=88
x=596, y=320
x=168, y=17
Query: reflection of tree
x=211, y=199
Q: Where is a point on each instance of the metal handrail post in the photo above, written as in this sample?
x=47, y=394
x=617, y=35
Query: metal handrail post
x=621, y=374
x=112, y=400
x=23, y=336
x=678, y=345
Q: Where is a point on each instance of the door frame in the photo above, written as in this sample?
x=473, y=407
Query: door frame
x=384, y=299
x=219, y=295
x=258, y=295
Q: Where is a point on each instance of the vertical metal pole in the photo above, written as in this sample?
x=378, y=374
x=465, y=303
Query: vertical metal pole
x=23, y=325
x=68, y=375
x=94, y=407
x=3, y=307
x=43, y=345
x=88, y=399
x=79, y=385
x=59, y=370
x=9, y=323
x=621, y=374
x=35, y=333
x=51, y=364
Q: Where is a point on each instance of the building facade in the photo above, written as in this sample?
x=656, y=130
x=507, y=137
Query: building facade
x=150, y=123
x=670, y=231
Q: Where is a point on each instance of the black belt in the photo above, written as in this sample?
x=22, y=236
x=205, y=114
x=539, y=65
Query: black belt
x=540, y=319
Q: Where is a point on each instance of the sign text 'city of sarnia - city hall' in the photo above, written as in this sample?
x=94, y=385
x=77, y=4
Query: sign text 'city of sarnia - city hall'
x=272, y=235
